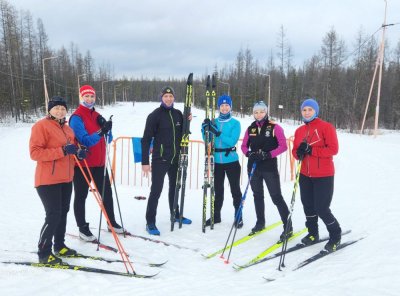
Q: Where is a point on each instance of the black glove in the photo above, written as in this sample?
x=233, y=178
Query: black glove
x=259, y=156
x=212, y=128
x=70, y=149
x=82, y=152
x=107, y=126
x=265, y=155
x=303, y=149
x=206, y=123
x=101, y=120
x=255, y=156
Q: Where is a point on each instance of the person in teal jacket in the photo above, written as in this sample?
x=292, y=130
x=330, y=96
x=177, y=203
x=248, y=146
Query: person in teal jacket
x=227, y=131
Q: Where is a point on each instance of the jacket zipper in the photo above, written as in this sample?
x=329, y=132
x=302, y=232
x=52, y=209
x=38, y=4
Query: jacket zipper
x=173, y=129
x=308, y=156
x=69, y=157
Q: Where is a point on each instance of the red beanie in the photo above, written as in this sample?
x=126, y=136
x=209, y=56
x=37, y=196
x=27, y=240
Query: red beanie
x=86, y=89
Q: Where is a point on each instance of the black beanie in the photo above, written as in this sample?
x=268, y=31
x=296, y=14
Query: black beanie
x=56, y=101
x=167, y=90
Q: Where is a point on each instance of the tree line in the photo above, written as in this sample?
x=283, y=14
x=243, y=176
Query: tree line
x=339, y=77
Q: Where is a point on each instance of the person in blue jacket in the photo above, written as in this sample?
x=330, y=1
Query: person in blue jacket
x=227, y=131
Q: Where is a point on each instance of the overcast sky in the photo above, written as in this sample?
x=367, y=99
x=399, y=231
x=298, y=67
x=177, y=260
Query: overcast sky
x=172, y=38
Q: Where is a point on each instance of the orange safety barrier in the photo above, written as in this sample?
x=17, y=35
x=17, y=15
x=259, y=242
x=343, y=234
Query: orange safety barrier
x=127, y=172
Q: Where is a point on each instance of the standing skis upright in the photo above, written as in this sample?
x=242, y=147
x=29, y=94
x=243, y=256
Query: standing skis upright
x=209, y=139
x=183, y=157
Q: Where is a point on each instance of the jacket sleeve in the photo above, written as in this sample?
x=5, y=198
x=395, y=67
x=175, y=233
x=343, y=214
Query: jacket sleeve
x=244, y=147
x=296, y=142
x=282, y=145
x=81, y=133
x=331, y=143
x=38, y=146
x=148, y=134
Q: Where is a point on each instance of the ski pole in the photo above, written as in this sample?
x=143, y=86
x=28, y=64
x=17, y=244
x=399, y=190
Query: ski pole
x=102, y=195
x=103, y=188
x=95, y=191
x=115, y=188
x=238, y=216
x=289, y=219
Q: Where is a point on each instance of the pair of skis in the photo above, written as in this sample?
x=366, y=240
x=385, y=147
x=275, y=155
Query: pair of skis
x=66, y=266
x=183, y=156
x=209, y=139
x=316, y=257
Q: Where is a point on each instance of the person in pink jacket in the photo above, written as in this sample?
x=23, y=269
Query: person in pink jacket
x=263, y=141
x=315, y=144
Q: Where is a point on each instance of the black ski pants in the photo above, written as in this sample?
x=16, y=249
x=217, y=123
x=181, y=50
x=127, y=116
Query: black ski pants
x=232, y=171
x=273, y=183
x=158, y=172
x=316, y=196
x=81, y=189
x=56, y=200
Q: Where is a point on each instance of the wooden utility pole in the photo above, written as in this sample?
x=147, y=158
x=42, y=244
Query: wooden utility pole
x=379, y=63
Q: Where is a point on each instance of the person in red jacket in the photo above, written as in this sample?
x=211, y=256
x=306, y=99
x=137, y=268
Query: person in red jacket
x=90, y=129
x=315, y=144
x=52, y=145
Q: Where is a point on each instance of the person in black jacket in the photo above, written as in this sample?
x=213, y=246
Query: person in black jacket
x=164, y=127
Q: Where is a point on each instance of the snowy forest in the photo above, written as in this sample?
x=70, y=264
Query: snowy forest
x=338, y=74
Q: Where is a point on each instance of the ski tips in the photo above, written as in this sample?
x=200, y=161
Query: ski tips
x=208, y=84
x=214, y=81
x=190, y=79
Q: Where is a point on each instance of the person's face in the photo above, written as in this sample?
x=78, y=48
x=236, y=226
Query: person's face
x=89, y=98
x=58, y=112
x=168, y=99
x=224, y=108
x=259, y=114
x=307, y=112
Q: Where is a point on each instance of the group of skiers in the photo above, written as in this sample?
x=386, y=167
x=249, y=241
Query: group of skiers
x=58, y=147
x=314, y=146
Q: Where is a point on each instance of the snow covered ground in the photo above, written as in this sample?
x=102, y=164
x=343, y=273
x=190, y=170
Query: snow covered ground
x=366, y=200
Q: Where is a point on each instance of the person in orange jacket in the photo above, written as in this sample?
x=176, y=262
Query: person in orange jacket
x=315, y=144
x=52, y=145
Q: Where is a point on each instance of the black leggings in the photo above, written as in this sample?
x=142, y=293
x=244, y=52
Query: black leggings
x=232, y=171
x=158, y=172
x=56, y=199
x=81, y=189
x=316, y=196
x=274, y=188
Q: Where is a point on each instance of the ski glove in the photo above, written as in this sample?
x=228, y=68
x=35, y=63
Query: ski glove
x=303, y=149
x=212, y=128
x=82, y=152
x=107, y=126
x=70, y=149
x=258, y=156
x=101, y=120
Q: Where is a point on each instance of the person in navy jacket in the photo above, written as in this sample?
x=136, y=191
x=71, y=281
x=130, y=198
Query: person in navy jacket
x=227, y=131
x=263, y=141
x=163, y=128
x=315, y=144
